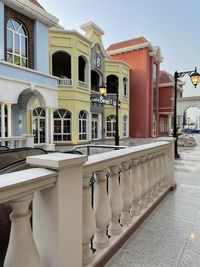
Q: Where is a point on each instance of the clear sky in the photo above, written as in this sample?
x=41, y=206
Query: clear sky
x=171, y=24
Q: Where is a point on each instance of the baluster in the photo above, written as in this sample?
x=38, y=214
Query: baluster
x=165, y=166
x=136, y=187
x=160, y=171
x=144, y=181
x=102, y=210
x=89, y=224
x=22, y=251
x=156, y=174
x=116, y=200
x=127, y=193
x=150, y=177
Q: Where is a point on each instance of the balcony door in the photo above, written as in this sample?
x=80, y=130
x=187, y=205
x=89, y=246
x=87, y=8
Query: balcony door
x=38, y=125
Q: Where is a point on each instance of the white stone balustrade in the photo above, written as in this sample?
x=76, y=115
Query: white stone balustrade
x=64, y=220
x=24, y=140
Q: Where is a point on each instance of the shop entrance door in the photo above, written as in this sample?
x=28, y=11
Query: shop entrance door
x=38, y=119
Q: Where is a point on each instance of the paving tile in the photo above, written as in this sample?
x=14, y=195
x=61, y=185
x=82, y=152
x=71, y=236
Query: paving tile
x=170, y=236
x=190, y=258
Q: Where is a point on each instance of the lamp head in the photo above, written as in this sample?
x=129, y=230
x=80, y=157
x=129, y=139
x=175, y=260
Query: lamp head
x=102, y=89
x=195, y=77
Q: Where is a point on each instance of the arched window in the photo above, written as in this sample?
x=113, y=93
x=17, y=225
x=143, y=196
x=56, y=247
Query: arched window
x=81, y=69
x=95, y=82
x=62, y=125
x=125, y=126
x=61, y=67
x=125, y=87
x=82, y=125
x=17, y=43
x=110, y=125
x=112, y=84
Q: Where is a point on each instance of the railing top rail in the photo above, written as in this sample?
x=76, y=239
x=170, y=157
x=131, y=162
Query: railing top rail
x=18, y=184
x=13, y=138
x=96, y=146
x=105, y=160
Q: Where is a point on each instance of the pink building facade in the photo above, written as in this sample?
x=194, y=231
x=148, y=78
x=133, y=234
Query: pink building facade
x=145, y=59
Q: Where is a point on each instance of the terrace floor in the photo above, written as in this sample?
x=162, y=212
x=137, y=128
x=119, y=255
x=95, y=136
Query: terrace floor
x=170, y=236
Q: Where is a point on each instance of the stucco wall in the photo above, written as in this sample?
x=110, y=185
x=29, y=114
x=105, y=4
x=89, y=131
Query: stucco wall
x=140, y=95
x=41, y=47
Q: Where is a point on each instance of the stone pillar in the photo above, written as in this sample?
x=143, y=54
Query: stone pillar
x=49, y=130
x=9, y=119
x=57, y=211
x=51, y=127
x=2, y=120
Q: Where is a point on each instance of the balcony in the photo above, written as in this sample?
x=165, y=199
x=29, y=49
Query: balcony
x=14, y=72
x=83, y=207
x=82, y=84
x=64, y=82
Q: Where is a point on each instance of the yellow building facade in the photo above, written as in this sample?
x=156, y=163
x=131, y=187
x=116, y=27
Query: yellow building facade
x=81, y=64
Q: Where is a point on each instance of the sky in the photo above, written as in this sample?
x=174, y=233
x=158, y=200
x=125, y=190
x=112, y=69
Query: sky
x=171, y=24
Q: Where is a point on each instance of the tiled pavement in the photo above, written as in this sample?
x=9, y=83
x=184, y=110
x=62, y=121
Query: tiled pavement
x=170, y=236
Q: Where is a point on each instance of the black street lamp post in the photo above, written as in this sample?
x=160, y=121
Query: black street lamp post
x=195, y=79
x=102, y=90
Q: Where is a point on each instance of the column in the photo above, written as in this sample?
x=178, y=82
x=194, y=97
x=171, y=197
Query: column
x=2, y=120
x=51, y=126
x=49, y=129
x=9, y=119
x=47, y=125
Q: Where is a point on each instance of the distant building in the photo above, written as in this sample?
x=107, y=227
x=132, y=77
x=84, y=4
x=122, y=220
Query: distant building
x=166, y=102
x=82, y=65
x=144, y=59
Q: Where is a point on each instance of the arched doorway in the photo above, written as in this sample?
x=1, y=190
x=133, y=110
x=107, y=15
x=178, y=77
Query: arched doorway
x=30, y=114
x=188, y=112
